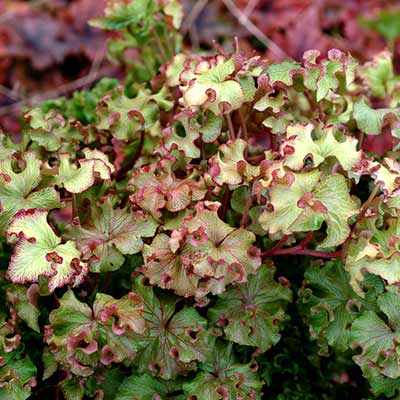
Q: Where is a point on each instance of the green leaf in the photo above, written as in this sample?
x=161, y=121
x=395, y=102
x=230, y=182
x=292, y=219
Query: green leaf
x=123, y=117
x=306, y=202
x=50, y=364
x=222, y=377
x=250, y=313
x=324, y=77
x=327, y=80
x=385, y=22
x=155, y=187
x=368, y=120
x=105, y=383
x=84, y=339
x=300, y=145
x=72, y=390
x=20, y=190
x=146, y=387
x=17, y=378
x=204, y=255
x=109, y=234
x=76, y=180
x=378, y=338
x=329, y=304
x=17, y=372
x=238, y=198
x=271, y=101
x=282, y=72
x=174, y=9
x=40, y=253
x=24, y=301
x=174, y=340
x=374, y=249
x=229, y=166
x=379, y=74
x=211, y=88
x=119, y=15
x=50, y=129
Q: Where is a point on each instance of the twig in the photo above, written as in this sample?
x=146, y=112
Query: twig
x=9, y=93
x=251, y=5
x=98, y=59
x=192, y=16
x=52, y=93
x=194, y=38
x=244, y=20
x=34, y=3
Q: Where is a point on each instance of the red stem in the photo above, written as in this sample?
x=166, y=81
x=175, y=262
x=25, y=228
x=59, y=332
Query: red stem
x=276, y=247
x=243, y=125
x=208, y=193
x=224, y=203
x=307, y=252
x=123, y=171
x=300, y=249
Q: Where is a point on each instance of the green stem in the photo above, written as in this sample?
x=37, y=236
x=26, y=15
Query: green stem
x=230, y=126
x=160, y=47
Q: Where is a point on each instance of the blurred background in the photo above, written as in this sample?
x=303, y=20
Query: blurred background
x=48, y=50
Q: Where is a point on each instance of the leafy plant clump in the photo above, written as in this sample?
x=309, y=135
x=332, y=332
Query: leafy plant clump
x=213, y=227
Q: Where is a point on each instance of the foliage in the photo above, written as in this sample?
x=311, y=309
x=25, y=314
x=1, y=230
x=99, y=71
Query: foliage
x=214, y=226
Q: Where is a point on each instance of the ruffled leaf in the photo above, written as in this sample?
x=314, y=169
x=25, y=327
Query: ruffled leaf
x=379, y=338
x=300, y=146
x=86, y=339
x=124, y=116
x=76, y=180
x=368, y=119
x=174, y=340
x=39, y=252
x=25, y=302
x=17, y=372
x=109, y=234
x=222, y=377
x=146, y=387
x=250, y=313
x=211, y=87
x=19, y=190
x=379, y=75
x=305, y=202
x=230, y=167
x=120, y=14
x=375, y=249
x=49, y=129
x=329, y=304
x=155, y=187
x=204, y=255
